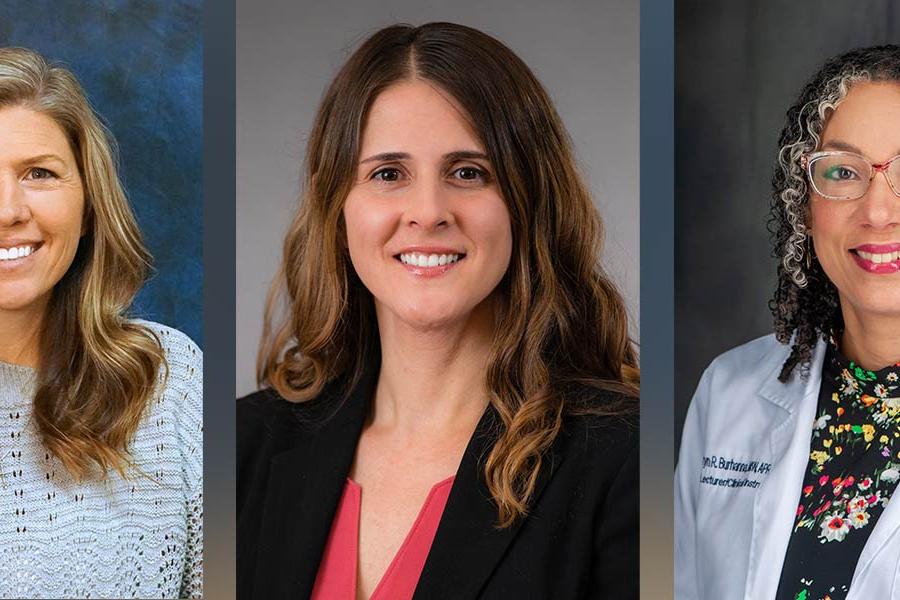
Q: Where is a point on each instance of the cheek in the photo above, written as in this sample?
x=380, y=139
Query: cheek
x=828, y=224
x=62, y=216
x=369, y=227
x=492, y=227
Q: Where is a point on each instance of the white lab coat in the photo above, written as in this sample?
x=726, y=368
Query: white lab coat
x=743, y=456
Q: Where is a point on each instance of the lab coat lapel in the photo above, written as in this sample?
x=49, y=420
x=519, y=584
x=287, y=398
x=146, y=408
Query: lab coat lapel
x=468, y=544
x=306, y=486
x=885, y=528
x=775, y=506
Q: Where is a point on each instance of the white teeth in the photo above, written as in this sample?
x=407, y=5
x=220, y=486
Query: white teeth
x=884, y=257
x=428, y=260
x=16, y=252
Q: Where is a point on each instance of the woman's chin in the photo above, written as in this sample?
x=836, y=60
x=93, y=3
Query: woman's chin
x=14, y=298
x=430, y=317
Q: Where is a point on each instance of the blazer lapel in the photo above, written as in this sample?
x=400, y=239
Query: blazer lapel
x=776, y=503
x=305, y=488
x=468, y=544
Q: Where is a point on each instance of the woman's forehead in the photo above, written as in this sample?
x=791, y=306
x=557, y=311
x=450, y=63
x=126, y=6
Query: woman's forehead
x=27, y=131
x=417, y=117
x=866, y=121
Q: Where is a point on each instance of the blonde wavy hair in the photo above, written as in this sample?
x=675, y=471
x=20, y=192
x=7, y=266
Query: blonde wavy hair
x=561, y=334
x=97, y=370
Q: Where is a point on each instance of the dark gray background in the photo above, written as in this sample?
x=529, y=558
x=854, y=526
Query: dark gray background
x=585, y=53
x=738, y=67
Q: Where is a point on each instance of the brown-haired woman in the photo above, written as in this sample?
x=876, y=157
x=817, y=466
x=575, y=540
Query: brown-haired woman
x=100, y=415
x=446, y=314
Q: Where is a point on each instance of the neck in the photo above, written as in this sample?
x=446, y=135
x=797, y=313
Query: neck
x=433, y=380
x=20, y=333
x=872, y=342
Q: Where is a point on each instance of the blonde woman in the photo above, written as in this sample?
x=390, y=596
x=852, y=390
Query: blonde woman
x=100, y=429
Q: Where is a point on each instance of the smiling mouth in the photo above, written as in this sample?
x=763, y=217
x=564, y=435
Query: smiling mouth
x=20, y=251
x=881, y=262
x=424, y=261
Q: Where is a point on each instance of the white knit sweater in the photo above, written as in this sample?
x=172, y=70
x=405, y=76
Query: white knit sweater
x=137, y=537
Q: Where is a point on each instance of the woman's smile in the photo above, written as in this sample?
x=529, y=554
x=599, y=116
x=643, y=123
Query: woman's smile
x=13, y=253
x=429, y=262
x=881, y=259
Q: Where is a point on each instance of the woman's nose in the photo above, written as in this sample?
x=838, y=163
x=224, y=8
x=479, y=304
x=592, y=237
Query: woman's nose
x=428, y=206
x=880, y=206
x=13, y=206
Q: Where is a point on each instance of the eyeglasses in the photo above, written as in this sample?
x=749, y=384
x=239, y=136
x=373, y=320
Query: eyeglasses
x=837, y=175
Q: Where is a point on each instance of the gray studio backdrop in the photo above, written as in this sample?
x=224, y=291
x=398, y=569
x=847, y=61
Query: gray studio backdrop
x=585, y=53
x=738, y=68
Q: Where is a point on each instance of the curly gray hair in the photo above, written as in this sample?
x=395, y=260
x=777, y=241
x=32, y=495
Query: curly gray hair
x=806, y=305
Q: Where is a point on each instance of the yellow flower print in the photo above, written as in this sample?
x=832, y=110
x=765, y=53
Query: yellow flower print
x=868, y=432
x=819, y=456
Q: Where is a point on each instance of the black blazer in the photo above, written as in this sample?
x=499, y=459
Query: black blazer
x=580, y=539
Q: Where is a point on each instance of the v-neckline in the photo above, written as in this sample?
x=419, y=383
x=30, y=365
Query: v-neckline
x=403, y=546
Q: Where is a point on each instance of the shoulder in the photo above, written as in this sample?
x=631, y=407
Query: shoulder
x=762, y=352
x=268, y=424
x=604, y=434
x=182, y=375
x=177, y=346
x=179, y=400
x=742, y=370
x=265, y=413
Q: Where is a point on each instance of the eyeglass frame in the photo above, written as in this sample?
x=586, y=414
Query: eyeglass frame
x=807, y=160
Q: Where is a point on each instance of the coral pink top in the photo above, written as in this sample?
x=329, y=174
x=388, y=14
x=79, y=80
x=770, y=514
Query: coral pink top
x=337, y=575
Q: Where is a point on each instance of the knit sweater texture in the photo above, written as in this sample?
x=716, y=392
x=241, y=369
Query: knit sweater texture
x=138, y=536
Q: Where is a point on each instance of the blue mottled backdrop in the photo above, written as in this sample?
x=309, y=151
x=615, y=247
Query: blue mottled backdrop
x=140, y=62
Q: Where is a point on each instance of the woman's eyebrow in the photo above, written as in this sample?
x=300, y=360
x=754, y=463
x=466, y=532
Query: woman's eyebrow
x=839, y=145
x=449, y=157
x=40, y=158
x=386, y=157
x=465, y=155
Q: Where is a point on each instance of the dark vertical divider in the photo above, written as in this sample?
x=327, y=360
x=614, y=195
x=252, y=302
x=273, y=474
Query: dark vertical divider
x=219, y=296
x=657, y=285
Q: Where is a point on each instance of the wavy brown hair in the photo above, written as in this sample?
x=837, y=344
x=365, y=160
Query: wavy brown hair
x=806, y=305
x=561, y=328
x=97, y=370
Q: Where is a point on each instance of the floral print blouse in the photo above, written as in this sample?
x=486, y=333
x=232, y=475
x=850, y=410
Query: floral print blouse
x=854, y=465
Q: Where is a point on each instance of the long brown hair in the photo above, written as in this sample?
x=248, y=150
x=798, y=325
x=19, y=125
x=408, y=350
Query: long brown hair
x=561, y=324
x=97, y=370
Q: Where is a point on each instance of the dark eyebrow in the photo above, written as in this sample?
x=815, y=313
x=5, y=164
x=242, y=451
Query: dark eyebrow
x=386, y=157
x=465, y=155
x=449, y=157
x=839, y=145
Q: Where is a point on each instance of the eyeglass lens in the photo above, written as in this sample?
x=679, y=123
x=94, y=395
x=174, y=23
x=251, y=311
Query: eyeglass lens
x=847, y=176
